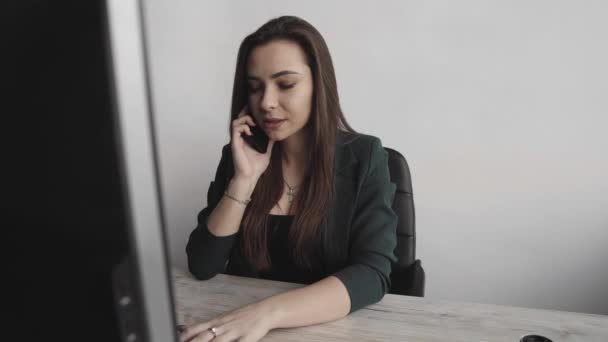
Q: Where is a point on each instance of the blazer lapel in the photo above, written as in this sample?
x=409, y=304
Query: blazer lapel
x=345, y=182
x=344, y=155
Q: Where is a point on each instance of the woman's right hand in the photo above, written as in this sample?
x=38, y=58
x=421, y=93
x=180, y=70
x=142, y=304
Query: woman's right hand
x=248, y=163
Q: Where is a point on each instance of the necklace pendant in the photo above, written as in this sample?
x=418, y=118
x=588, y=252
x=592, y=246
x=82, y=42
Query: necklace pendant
x=290, y=196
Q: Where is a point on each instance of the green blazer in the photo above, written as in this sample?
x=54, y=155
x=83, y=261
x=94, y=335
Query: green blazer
x=362, y=222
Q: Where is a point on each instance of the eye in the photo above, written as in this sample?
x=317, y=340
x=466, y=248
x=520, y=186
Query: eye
x=253, y=89
x=287, y=86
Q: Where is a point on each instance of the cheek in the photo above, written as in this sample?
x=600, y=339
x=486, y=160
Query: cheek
x=301, y=103
x=253, y=103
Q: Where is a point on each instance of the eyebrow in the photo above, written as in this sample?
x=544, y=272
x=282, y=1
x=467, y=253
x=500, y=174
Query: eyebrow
x=275, y=75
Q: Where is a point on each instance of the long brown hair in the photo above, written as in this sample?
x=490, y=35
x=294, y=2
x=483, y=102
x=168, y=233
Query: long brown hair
x=311, y=206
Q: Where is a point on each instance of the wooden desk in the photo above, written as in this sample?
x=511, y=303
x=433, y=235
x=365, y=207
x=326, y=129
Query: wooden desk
x=395, y=318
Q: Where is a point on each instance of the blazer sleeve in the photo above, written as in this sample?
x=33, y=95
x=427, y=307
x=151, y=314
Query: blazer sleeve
x=207, y=254
x=373, y=235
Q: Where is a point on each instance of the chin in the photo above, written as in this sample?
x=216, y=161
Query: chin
x=277, y=137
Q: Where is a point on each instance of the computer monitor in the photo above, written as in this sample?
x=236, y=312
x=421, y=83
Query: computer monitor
x=86, y=253
x=139, y=166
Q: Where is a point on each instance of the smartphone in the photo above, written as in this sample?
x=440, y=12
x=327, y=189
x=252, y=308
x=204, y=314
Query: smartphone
x=258, y=139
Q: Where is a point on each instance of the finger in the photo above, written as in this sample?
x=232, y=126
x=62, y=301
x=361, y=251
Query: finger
x=244, y=119
x=227, y=337
x=205, y=336
x=191, y=331
x=248, y=129
x=222, y=333
x=244, y=111
x=239, y=121
x=200, y=337
x=239, y=130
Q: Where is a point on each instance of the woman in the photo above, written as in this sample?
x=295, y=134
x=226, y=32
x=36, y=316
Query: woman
x=315, y=208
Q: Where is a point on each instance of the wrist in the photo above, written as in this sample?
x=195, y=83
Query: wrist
x=272, y=313
x=242, y=187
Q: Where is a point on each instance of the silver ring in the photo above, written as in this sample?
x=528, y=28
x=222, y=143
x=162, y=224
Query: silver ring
x=213, y=331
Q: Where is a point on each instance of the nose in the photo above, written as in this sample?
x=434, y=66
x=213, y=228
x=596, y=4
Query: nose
x=269, y=100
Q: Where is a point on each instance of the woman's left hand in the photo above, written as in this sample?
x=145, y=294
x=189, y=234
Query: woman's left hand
x=249, y=324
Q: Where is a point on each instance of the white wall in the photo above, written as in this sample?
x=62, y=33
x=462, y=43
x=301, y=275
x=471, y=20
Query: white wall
x=499, y=106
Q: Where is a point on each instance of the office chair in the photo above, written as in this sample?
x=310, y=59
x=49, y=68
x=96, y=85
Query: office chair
x=407, y=275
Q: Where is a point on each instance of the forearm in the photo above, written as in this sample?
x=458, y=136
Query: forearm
x=226, y=218
x=210, y=243
x=324, y=301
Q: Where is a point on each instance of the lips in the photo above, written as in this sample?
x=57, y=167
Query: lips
x=273, y=123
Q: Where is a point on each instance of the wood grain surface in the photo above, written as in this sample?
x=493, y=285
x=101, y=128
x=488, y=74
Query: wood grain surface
x=395, y=318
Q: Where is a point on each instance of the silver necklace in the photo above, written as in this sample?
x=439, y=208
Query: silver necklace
x=291, y=193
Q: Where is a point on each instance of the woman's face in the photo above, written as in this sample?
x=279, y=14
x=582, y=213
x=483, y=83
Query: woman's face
x=280, y=88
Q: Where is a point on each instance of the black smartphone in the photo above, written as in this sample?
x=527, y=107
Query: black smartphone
x=258, y=139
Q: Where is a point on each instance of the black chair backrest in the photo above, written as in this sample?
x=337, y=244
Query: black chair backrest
x=403, y=205
x=407, y=274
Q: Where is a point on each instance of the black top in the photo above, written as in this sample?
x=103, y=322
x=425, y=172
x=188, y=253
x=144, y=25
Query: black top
x=283, y=266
